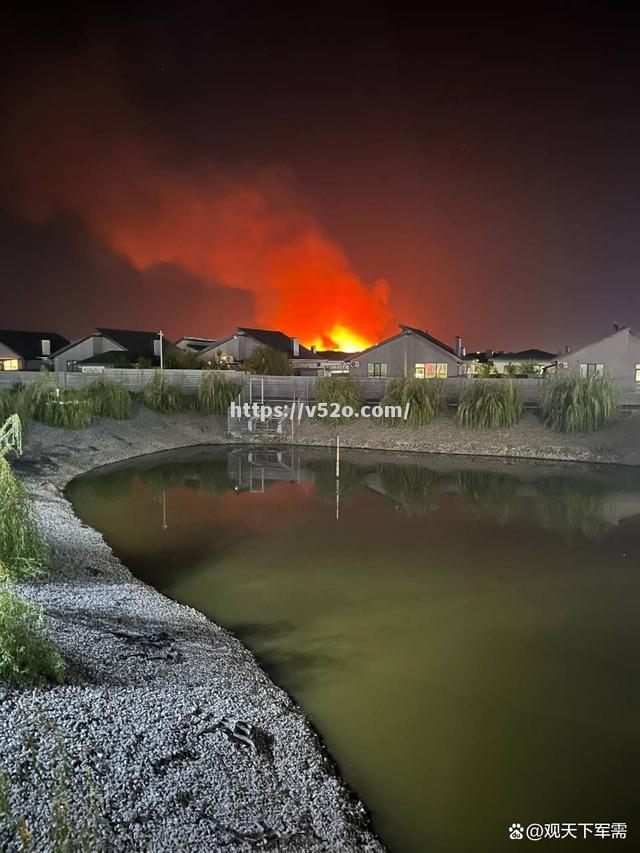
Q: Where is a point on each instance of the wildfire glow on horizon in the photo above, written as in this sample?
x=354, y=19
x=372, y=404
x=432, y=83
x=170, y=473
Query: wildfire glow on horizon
x=79, y=151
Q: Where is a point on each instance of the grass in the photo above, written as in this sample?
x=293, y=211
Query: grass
x=424, y=396
x=109, y=400
x=489, y=405
x=216, y=393
x=338, y=392
x=162, y=395
x=70, y=809
x=22, y=550
x=65, y=409
x=572, y=403
x=8, y=404
x=25, y=652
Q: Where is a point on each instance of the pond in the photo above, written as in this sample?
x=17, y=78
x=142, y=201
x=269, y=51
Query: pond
x=463, y=633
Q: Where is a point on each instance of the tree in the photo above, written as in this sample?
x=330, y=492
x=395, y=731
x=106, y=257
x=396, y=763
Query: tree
x=268, y=362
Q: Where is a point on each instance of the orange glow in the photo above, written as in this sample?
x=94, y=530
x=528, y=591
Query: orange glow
x=342, y=338
x=87, y=156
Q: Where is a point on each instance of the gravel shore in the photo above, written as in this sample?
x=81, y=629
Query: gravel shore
x=190, y=744
x=159, y=696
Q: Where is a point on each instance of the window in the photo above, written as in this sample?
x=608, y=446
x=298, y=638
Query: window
x=377, y=369
x=591, y=370
x=431, y=370
x=9, y=364
x=637, y=372
x=46, y=347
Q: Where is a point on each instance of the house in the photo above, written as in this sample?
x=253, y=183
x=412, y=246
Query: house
x=322, y=363
x=111, y=348
x=412, y=352
x=524, y=361
x=616, y=355
x=196, y=345
x=236, y=348
x=28, y=350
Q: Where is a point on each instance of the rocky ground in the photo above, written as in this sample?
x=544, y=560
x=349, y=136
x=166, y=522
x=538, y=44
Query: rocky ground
x=189, y=743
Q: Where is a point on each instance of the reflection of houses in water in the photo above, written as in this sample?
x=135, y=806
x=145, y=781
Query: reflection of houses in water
x=253, y=470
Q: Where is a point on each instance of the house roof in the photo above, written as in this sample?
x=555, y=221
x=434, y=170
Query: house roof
x=276, y=340
x=112, y=356
x=626, y=330
x=527, y=355
x=29, y=344
x=406, y=329
x=136, y=343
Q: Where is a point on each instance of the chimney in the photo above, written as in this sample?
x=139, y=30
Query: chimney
x=489, y=354
x=567, y=350
x=314, y=349
x=296, y=347
x=457, y=346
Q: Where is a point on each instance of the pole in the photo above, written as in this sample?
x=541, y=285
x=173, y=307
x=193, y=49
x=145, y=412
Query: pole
x=161, y=353
x=337, y=478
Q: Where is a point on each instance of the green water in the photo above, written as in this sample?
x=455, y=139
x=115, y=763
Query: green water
x=464, y=635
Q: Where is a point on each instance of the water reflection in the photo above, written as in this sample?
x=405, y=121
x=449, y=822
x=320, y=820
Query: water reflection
x=465, y=636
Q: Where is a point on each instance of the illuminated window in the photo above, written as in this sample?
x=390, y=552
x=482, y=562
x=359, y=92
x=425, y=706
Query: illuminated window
x=377, y=369
x=637, y=372
x=9, y=364
x=46, y=347
x=431, y=370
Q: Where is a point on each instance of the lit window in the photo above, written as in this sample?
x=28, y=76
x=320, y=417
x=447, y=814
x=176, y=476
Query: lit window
x=9, y=364
x=46, y=347
x=431, y=370
x=637, y=372
x=377, y=369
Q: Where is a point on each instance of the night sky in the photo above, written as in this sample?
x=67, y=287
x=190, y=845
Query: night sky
x=330, y=170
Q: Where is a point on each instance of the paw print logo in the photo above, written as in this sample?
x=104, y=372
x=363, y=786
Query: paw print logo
x=516, y=831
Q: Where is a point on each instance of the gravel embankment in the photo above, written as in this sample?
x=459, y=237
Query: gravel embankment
x=156, y=688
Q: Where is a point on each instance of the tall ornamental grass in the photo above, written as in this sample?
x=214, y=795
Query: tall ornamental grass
x=25, y=652
x=216, y=393
x=337, y=392
x=22, y=549
x=65, y=409
x=572, y=403
x=489, y=405
x=425, y=398
x=109, y=400
x=162, y=395
x=8, y=404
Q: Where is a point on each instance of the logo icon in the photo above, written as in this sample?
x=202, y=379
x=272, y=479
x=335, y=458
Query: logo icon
x=516, y=831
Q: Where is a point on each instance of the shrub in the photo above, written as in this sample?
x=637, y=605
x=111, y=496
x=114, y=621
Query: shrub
x=424, y=397
x=65, y=409
x=216, y=393
x=162, y=395
x=144, y=363
x=268, y=362
x=22, y=550
x=572, y=403
x=109, y=400
x=486, y=405
x=8, y=404
x=25, y=652
x=182, y=360
x=338, y=391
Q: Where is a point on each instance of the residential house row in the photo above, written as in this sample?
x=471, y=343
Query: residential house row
x=409, y=352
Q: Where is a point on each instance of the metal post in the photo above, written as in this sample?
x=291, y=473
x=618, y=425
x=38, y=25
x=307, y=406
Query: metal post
x=337, y=478
x=161, y=353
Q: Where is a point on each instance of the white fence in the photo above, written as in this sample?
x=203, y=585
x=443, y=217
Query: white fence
x=257, y=388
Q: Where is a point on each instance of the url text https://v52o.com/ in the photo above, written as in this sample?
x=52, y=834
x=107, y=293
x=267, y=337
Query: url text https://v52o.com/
x=298, y=410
